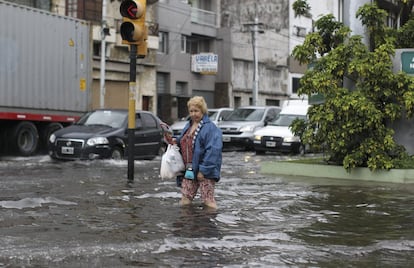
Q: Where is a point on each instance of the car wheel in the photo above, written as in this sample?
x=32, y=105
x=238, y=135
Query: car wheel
x=301, y=150
x=47, y=131
x=117, y=153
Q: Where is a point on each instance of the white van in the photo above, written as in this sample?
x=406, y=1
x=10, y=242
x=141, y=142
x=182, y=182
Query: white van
x=277, y=136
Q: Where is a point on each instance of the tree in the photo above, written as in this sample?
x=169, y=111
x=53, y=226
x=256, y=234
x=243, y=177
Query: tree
x=301, y=8
x=362, y=94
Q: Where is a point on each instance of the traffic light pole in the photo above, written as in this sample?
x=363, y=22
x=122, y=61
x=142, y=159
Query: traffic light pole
x=134, y=33
x=131, y=110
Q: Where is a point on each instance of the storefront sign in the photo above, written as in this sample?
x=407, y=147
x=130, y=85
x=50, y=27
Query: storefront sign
x=204, y=63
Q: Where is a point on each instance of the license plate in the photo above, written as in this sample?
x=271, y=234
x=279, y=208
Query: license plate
x=67, y=150
x=270, y=144
x=226, y=139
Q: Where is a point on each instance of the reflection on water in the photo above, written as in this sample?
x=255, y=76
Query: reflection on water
x=196, y=221
x=84, y=214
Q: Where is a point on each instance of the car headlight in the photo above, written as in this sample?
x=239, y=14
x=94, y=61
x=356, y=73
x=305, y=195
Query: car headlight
x=257, y=137
x=291, y=139
x=97, y=141
x=52, y=138
x=247, y=129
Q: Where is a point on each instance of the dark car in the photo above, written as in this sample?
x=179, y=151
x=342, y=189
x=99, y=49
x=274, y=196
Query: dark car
x=104, y=134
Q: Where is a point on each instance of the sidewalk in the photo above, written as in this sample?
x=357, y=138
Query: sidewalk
x=337, y=172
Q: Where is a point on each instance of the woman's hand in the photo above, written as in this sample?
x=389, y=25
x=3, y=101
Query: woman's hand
x=200, y=176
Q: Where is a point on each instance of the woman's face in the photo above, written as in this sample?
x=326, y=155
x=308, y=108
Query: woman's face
x=195, y=113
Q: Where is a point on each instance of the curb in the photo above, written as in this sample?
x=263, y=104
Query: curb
x=337, y=172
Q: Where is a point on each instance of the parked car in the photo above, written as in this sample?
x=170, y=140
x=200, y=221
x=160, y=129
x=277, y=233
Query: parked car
x=239, y=126
x=104, y=134
x=219, y=114
x=277, y=136
x=216, y=115
x=178, y=126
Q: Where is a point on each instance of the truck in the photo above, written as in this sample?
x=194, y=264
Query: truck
x=45, y=75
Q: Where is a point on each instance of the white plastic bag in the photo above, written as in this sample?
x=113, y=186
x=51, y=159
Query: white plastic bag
x=171, y=162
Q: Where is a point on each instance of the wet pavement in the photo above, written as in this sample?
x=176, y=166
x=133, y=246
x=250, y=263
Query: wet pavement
x=85, y=214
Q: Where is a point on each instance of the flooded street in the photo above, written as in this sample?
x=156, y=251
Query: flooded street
x=85, y=214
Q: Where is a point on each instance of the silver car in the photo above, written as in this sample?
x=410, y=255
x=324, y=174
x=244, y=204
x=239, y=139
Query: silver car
x=216, y=115
x=239, y=126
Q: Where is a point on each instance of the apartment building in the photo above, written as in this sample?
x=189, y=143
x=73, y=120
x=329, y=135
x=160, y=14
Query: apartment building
x=187, y=57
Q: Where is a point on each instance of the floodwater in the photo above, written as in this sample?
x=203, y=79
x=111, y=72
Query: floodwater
x=85, y=214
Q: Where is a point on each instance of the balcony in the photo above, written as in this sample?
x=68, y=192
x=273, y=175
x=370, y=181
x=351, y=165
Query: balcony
x=203, y=17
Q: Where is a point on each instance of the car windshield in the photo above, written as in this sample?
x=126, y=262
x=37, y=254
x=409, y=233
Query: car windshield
x=246, y=114
x=113, y=119
x=213, y=115
x=285, y=120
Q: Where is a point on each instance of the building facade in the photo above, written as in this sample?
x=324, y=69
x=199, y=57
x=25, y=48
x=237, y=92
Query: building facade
x=186, y=31
x=232, y=52
x=184, y=36
x=252, y=41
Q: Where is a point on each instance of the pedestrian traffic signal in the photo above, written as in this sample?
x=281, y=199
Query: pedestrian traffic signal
x=133, y=29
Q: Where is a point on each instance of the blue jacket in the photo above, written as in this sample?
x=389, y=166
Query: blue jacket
x=207, y=149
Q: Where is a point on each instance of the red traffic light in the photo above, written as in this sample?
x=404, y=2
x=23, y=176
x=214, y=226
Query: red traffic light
x=132, y=9
x=133, y=29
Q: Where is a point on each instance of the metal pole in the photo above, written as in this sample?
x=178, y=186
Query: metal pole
x=131, y=110
x=256, y=65
x=103, y=56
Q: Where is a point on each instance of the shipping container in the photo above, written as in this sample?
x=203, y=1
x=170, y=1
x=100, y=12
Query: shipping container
x=45, y=75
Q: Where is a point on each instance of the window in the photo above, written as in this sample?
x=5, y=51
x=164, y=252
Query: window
x=84, y=9
x=197, y=44
x=185, y=44
x=163, y=42
x=148, y=121
x=391, y=21
x=272, y=114
x=162, y=83
x=181, y=88
x=295, y=84
x=72, y=8
x=97, y=48
x=237, y=101
x=300, y=31
x=138, y=121
x=272, y=102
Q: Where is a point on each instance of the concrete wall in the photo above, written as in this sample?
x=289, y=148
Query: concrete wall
x=350, y=9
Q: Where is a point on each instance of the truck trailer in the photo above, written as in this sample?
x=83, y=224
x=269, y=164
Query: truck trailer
x=45, y=75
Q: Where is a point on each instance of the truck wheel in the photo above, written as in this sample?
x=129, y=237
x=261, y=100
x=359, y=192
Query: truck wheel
x=25, y=138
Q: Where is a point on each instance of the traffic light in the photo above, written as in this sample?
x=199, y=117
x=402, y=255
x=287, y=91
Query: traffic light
x=133, y=29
